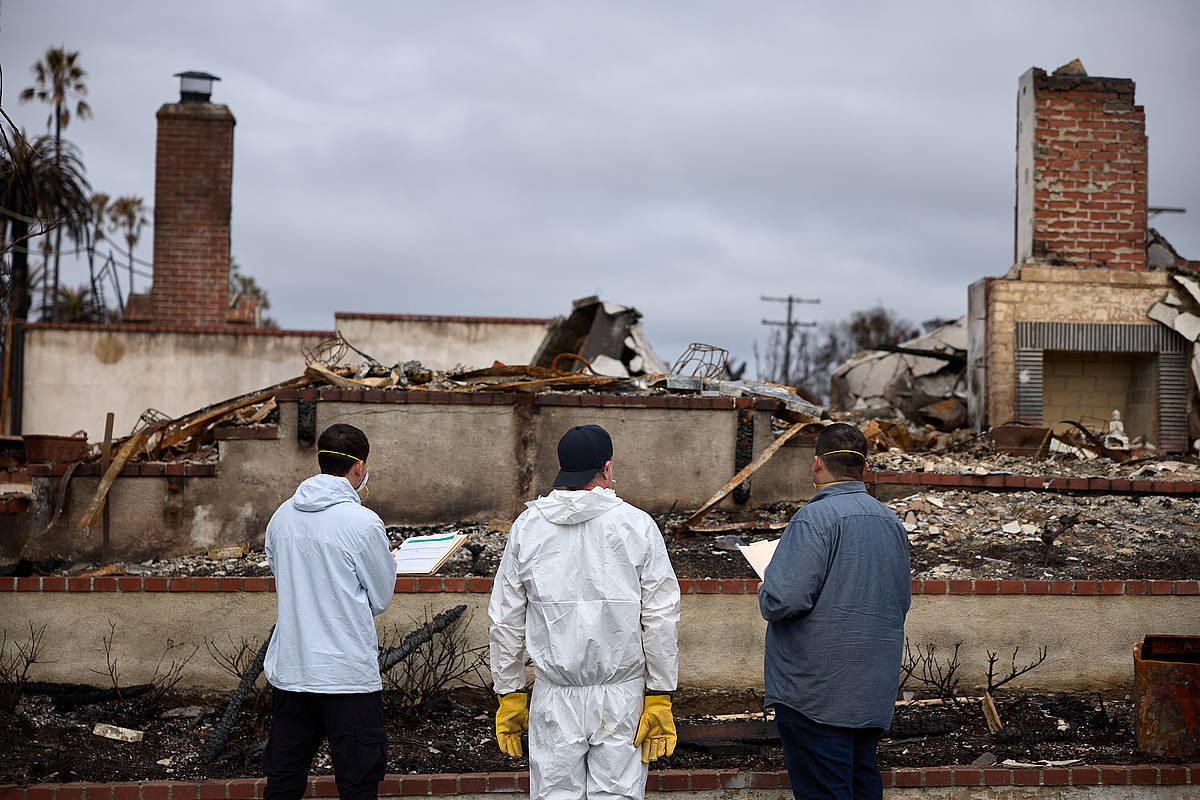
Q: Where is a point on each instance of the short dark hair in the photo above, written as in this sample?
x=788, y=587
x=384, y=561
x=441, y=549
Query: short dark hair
x=346, y=446
x=840, y=436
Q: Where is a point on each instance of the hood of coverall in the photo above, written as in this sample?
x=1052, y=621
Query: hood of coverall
x=322, y=491
x=570, y=507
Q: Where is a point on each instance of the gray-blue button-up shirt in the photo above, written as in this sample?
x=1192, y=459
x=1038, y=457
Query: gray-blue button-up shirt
x=835, y=596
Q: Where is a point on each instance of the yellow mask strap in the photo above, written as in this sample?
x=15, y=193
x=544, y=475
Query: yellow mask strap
x=831, y=452
x=343, y=455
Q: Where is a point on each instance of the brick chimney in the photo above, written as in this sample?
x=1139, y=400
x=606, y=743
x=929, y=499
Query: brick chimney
x=1081, y=171
x=193, y=181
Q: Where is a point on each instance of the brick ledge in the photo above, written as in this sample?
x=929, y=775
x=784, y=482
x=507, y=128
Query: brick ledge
x=663, y=781
x=1038, y=483
x=590, y=399
x=738, y=586
x=443, y=318
x=141, y=469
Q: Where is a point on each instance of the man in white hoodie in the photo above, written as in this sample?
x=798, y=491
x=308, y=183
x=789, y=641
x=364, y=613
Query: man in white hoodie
x=586, y=588
x=333, y=572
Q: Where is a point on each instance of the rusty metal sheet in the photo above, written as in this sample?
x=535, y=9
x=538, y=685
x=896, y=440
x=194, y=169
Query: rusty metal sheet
x=1166, y=673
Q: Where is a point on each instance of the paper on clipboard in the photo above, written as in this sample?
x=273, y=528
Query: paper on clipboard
x=425, y=555
x=759, y=554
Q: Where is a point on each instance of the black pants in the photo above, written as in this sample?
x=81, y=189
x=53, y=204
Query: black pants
x=353, y=723
x=825, y=762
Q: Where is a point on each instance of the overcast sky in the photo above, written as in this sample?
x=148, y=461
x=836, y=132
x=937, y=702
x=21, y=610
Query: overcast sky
x=502, y=159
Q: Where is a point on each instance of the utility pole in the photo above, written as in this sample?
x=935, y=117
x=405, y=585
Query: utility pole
x=790, y=328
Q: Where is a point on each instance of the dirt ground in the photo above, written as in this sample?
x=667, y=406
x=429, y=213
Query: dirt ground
x=42, y=744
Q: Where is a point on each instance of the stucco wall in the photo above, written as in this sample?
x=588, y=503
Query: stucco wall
x=443, y=342
x=429, y=463
x=1058, y=294
x=721, y=636
x=75, y=375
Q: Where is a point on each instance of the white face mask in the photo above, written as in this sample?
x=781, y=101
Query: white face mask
x=362, y=487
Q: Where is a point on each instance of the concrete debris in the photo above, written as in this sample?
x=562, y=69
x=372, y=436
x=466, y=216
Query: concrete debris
x=1164, y=313
x=985, y=534
x=980, y=460
x=1190, y=284
x=595, y=328
x=1187, y=325
x=917, y=387
x=188, y=712
x=115, y=732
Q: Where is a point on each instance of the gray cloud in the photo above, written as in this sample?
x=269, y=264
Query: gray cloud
x=484, y=158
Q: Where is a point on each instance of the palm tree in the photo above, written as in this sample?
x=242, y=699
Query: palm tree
x=79, y=305
x=128, y=214
x=42, y=187
x=98, y=215
x=57, y=82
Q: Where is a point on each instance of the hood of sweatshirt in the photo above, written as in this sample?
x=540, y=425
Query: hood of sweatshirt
x=570, y=507
x=322, y=491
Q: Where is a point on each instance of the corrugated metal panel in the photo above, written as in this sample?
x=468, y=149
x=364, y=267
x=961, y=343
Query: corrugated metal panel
x=1096, y=338
x=1173, y=380
x=1029, y=373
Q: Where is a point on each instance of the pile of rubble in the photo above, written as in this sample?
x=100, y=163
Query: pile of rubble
x=1037, y=535
x=982, y=460
x=922, y=381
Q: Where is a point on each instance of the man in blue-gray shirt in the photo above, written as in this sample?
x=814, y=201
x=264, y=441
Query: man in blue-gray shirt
x=334, y=573
x=835, y=596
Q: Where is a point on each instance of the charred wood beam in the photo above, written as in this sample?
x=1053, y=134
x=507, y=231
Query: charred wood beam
x=954, y=360
x=216, y=745
x=444, y=619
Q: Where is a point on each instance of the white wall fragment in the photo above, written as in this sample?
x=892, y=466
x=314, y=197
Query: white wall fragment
x=1160, y=312
x=1188, y=326
x=1191, y=284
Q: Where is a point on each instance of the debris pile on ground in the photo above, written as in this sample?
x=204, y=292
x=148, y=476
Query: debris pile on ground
x=47, y=744
x=923, y=380
x=609, y=338
x=952, y=534
x=983, y=460
x=1041, y=535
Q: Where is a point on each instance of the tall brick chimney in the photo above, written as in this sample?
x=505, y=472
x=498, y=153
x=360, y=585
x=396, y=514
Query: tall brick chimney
x=193, y=181
x=1081, y=171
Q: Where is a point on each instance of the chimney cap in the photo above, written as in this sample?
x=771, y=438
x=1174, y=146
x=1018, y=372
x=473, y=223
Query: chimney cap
x=194, y=86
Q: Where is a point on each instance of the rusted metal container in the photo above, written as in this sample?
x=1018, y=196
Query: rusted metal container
x=1166, y=686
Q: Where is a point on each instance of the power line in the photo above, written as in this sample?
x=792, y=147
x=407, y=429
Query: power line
x=790, y=326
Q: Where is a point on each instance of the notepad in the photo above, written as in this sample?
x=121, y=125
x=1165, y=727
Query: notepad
x=425, y=555
x=759, y=554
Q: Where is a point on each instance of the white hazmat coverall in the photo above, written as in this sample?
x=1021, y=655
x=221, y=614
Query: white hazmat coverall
x=586, y=588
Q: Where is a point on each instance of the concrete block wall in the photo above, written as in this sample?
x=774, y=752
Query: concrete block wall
x=435, y=457
x=1093, y=385
x=1037, y=294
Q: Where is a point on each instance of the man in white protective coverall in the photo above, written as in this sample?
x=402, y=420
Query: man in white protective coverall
x=586, y=588
x=334, y=572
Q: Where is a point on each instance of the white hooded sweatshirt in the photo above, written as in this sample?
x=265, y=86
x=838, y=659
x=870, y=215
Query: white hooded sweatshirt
x=585, y=586
x=333, y=573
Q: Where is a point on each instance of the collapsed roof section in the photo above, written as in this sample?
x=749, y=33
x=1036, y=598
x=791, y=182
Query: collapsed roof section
x=924, y=379
x=608, y=336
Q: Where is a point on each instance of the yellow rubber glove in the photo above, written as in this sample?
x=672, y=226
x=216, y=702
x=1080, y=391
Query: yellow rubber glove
x=511, y=718
x=656, y=729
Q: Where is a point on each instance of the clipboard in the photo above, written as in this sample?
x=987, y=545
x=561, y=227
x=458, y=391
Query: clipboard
x=759, y=554
x=425, y=555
